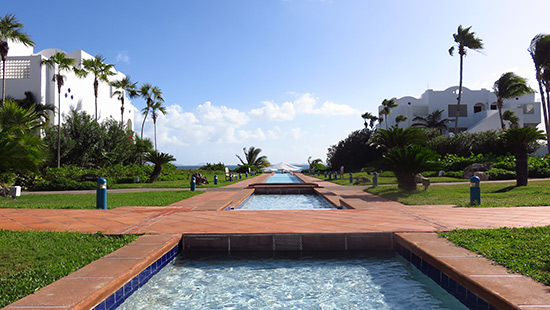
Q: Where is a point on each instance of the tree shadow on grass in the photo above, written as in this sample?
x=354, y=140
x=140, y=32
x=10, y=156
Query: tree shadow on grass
x=505, y=190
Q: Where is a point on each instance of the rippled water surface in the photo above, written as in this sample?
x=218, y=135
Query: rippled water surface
x=381, y=282
x=285, y=202
x=283, y=178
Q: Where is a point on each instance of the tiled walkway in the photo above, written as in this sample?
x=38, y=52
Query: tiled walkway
x=371, y=214
x=198, y=215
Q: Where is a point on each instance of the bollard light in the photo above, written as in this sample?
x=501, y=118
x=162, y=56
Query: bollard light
x=193, y=183
x=215, y=179
x=240, y=177
x=374, y=179
x=351, y=177
x=101, y=194
x=475, y=191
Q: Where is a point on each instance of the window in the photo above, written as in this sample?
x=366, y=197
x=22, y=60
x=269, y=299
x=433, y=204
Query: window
x=478, y=107
x=452, y=110
x=494, y=106
x=529, y=108
x=18, y=68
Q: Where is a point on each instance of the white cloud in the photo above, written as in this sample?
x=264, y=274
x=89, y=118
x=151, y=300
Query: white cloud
x=304, y=104
x=297, y=133
x=122, y=56
x=256, y=134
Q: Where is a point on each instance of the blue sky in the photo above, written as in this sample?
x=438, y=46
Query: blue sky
x=291, y=77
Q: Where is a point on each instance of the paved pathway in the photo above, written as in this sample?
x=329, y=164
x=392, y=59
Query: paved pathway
x=371, y=214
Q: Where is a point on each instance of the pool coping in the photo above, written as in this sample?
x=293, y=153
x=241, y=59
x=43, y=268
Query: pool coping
x=106, y=282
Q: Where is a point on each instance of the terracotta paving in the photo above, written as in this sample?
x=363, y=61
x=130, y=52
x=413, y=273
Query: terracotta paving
x=199, y=215
x=371, y=214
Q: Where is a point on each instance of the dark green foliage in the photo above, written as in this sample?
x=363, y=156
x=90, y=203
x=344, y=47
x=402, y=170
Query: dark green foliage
x=406, y=162
x=500, y=174
x=158, y=159
x=213, y=167
x=465, y=144
x=33, y=259
x=523, y=250
x=244, y=169
x=61, y=184
x=354, y=152
x=397, y=137
x=252, y=157
x=86, y=143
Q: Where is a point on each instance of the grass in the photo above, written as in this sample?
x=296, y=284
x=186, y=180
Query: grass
x=381, y=179
x=88, y=201
x=522, y=250
x=492, y=194
x=184, y=183
x=30, y=260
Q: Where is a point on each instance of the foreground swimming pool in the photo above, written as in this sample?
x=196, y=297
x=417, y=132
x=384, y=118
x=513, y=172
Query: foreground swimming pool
x=285, y=202
x=376, y=281
x=283, y=178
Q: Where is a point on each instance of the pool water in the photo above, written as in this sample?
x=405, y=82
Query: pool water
x=384, y=281
x=285, y=202
x=283, y=178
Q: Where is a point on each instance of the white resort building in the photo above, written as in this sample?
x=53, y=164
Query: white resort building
x=24, y=73
x=478, y=109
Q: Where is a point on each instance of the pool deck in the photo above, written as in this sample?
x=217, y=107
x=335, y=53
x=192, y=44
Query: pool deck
x=414, y=225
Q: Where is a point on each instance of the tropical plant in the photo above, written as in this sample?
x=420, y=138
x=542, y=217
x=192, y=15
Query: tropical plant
x=313, y=162
x=158, y=159
x=124, y=88
x=151, y=94
x=400, y=119
x=21, y=149
x=354, y=152
x=520, y=139
x=432, y=120
x=10, y=29
x=371, y=118
x=387, y=105
x=397, y=137
x=509, y=85
x=253, y=158
x=407, y=161
x=99, y=69
x=156, y=107
x=63, y=63
x=510, y=116
x=539, y=50
x=465, y=39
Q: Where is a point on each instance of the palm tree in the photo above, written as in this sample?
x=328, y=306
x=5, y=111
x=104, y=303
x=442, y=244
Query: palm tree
x=124, y=87
x=10, y=29
x=21, y=149
x=99, y=69
x=510, y=116
x=371, y=118
x=520, y=139
x=63, y=63
x=158, y=159
x=314, y=162
x=509, y=85
x=400, y=119
x=464, y=39
x=387, y=105
x=252, y=157
x=432, y=120
x=539, y=50
x=156, y=107
x=151, y=94
x=407, y=161
x=397, y=137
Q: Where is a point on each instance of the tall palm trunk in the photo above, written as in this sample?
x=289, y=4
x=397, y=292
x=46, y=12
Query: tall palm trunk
x=3, y=80
x=499, y=106
x=96, y=86
x=122, y=111
x=544, y=103
x=459, y=98
x=59, y=84
x=155, y=129
x=522, y=166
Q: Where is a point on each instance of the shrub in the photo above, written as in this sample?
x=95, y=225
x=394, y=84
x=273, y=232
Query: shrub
x=454, y=174
x=213, y=167
x=244, y=169
x=63, y=184
x=500, y=174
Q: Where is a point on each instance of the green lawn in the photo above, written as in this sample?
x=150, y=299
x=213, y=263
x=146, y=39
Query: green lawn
x=183, y=183
x=492, y=194
x=381, y=179
x=88, y=201
x=523, y=250
x=30, y=260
